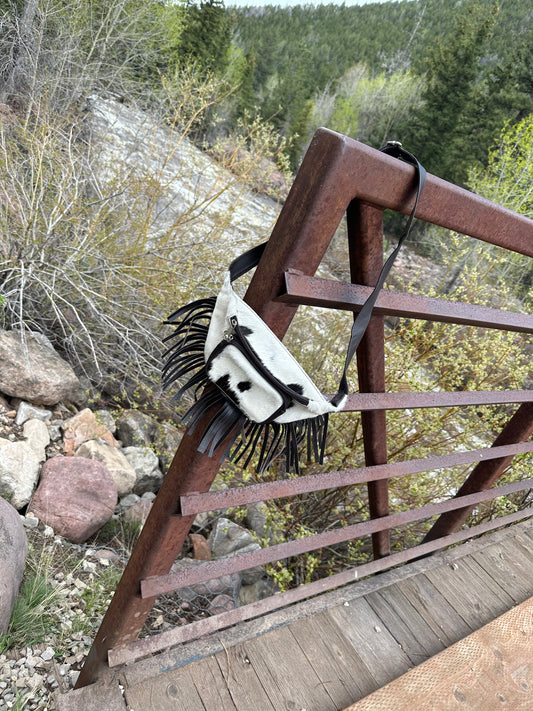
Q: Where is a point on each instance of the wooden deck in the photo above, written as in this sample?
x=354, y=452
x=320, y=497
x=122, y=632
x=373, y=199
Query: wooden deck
x=329, y=652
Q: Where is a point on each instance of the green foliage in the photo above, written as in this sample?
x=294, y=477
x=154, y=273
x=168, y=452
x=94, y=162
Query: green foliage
x=204, y=36
x=437, y=134
x=370, y=108
x=478, y=72
x=508, y=181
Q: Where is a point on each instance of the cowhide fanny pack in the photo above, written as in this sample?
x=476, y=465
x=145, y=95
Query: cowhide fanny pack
x=259, y=394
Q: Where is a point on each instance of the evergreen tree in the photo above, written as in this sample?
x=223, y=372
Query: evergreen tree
x=437, y=133
x=206, y=35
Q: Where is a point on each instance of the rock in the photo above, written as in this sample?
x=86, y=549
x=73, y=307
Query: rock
x=30, y=521
x=26, y=412
x=107, y=419
x=113, y=460
x=19, y=471
x=228, y=537
x=37, y=437
x=55, y=431
x=84, y=427
x=221, y=603
x=146, y=466
x=256, y=518
x=149, y=496
x=76, y=497
x=105, y=556
x=200, y=547
x=165, y=444
x=135, y=429
x=265, y=587
x=129, y=500
x=32, y=370
x=138, y=513
x=226, y=584
x=13, y=550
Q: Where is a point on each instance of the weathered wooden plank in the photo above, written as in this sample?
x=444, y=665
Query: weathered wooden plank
x=91, y=698
x=242, y=682
x=166, y=692
x=525, y=544
x=444, y=620
x=510, y=568
x=334, y=659
x=491, y=585
x=285, y=673
x=211, y=685
x=212, y=644
x=467, y=593
x=408, y=628
x=377, y=648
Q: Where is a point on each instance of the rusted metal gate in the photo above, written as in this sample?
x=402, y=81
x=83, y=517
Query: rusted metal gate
x=338, y=176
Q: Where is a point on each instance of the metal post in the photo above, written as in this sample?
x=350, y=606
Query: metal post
x=365, y=237
x=518, y=429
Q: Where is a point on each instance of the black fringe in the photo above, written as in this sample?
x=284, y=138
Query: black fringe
x=184, y=358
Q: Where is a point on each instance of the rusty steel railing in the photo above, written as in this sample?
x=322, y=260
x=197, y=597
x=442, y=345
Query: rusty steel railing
x=337, y=176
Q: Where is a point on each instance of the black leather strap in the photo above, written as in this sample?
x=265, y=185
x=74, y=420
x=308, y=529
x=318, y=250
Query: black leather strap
x=393, y=148
x=246, y=261
x=250, y=259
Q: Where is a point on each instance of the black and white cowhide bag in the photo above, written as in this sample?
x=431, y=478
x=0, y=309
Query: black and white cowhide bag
x=264, y=404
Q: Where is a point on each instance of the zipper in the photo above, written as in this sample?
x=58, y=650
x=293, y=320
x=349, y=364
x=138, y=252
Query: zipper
x=235, y=336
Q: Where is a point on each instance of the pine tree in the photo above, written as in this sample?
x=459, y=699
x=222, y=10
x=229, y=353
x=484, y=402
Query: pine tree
x=437, y=134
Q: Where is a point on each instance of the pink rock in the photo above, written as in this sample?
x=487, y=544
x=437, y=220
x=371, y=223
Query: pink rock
x=75, y=496
x=200, y=547
x=83, y=427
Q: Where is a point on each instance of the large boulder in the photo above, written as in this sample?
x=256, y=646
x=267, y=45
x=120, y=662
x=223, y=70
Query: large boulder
x=113, y=460
x=19, y=471
x=75, y=496
x=30, y=369
x=13, y=551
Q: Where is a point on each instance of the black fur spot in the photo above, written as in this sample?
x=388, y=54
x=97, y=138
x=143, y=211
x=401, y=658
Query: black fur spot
x=296, y=387
x=244, y=385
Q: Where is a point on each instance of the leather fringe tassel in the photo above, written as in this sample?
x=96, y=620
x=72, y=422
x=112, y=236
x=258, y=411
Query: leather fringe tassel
x=184, y=358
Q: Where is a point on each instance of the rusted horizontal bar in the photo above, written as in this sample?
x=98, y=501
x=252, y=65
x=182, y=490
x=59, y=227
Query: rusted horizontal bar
x=301, y=289
x=241, y=495
x=158, y=584
x=194, y=630
x=360, y=402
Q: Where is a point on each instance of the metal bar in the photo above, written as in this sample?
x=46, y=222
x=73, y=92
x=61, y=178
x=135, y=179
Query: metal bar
x=242, y=495
x=519, y=428
x=300, y=237
x=194, y=630
x=360, y=402
x=337, y=170
x=441, y=203
x=159, y=543
x=365, y=241
x=311, y=291
x=156, y=585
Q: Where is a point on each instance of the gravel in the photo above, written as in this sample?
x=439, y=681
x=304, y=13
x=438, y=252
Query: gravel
x=32, y=674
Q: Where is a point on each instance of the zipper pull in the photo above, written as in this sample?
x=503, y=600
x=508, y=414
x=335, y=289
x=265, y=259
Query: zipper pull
x=230, y=331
